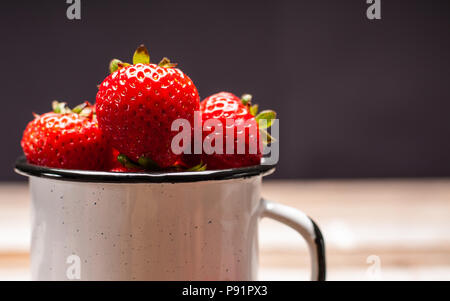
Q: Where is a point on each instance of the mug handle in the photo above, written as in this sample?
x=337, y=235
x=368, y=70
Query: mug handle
x=307, y=228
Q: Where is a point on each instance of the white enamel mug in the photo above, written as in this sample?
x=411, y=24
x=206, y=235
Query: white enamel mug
x=154, y=226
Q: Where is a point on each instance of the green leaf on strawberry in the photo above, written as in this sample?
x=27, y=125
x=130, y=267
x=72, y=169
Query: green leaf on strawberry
x=80, y=107
x=125, y=161
x=165, y=62
x=60, y=107
x=254, y=109
x=246, y=99
x=147, y=163
x=267, y=115
x=199, y=167
x=87, y=111
x=116, y=64
x=141, y=56
x=266, y=137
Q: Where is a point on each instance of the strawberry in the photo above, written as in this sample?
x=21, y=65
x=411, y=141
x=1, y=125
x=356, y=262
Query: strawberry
x=136, y=105
x=223, y=106
x=124, y=169
x=66, y=138
x=113, y=163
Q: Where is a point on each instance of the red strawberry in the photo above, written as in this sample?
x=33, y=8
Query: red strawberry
x=66, y=139
x=137, y=104
x=124, y=169
x=113, y=163
x=223, y=106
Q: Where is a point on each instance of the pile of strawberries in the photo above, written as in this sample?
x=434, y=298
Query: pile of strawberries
x=129, y=129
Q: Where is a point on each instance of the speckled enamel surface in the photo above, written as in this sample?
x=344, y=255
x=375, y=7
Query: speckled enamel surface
x=184, y=231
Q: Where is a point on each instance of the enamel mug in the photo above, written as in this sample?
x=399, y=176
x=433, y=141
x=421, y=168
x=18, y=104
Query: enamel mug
x=90, y=225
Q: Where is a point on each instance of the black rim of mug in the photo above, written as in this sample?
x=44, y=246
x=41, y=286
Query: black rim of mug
x=24, y=168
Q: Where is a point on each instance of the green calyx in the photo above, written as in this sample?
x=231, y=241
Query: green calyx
x=246, y=99
x=266, y=137
x=143, y=163
x=265, y=118
x=60, y=107
x=85, y=109
x=165, y=62
x=116, y=64
x=268, y=116
x=125, y=161
x=140, y=56
x=147, y=163
x=254, y=109
x=199, y=167
x=79, y=108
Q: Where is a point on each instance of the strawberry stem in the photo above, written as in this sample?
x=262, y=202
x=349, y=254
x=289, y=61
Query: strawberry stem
x=147, y=163
x=268, y=116
x=125, y=161
x=165, y=62
x=60, y=107
x=116, y=64
x=199, y=167
x=80, y=107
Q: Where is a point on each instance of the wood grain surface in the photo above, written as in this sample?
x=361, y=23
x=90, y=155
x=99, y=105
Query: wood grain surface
x=405, y=224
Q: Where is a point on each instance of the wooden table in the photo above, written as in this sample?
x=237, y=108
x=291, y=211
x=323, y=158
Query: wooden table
x=400, y=226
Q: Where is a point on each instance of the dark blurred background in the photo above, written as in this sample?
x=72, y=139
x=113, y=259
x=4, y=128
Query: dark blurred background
x=355, y=97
